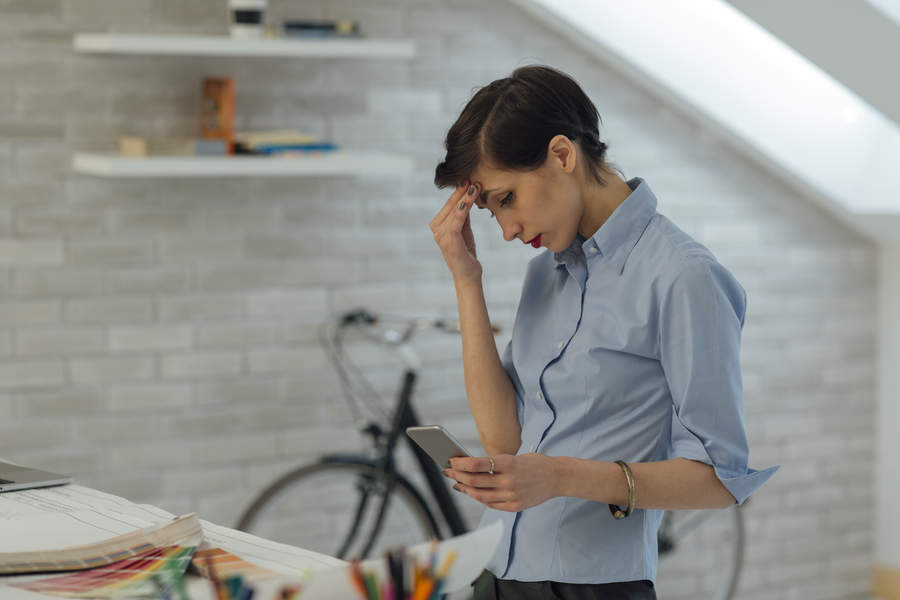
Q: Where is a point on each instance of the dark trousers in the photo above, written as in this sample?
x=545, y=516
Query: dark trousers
x=488, y=587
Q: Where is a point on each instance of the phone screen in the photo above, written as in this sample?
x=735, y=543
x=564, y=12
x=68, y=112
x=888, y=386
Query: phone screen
x=438, y=443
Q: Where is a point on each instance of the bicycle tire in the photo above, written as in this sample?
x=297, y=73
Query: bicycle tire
x=708, y=567
x=341, y=506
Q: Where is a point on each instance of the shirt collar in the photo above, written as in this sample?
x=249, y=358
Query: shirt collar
x=616, y=238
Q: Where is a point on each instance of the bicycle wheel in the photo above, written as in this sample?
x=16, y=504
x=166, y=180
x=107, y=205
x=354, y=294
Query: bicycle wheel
x=346, y=508
x=701, y=553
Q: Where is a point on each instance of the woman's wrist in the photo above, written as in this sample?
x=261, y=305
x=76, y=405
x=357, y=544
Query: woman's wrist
x=595, y=480
x=468, y=283
x=567, y=476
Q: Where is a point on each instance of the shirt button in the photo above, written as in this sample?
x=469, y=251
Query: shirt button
x=560, y=345
x=532, y=447
x=539, y=397
x=592, y=249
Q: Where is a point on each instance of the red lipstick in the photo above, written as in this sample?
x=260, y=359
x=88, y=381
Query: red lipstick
x=536, y=242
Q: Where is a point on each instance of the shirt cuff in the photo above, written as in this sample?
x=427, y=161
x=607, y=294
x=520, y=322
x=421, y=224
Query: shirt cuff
x=741, y=486
x=741, y=483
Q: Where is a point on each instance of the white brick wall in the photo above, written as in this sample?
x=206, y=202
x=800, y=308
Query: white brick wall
x=159, y=338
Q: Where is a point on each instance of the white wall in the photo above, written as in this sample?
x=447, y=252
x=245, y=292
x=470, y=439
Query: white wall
x=887, y=495
x=158, y=338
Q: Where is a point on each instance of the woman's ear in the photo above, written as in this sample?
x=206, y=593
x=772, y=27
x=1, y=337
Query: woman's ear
x=562, y=152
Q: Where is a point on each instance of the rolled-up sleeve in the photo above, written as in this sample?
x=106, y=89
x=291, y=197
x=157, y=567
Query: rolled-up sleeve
x=701, y=316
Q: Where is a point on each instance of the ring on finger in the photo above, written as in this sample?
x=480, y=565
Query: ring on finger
x=491, y=471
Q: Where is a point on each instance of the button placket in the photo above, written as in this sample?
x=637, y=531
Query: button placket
x=540, y=397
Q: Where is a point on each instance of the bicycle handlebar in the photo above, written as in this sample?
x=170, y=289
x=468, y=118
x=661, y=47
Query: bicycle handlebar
x=365, y=318
x=353, y=383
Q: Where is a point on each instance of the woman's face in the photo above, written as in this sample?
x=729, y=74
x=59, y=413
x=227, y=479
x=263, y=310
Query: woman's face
x=540, y=207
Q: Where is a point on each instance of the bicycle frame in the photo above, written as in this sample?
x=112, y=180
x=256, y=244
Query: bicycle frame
x=405, y=417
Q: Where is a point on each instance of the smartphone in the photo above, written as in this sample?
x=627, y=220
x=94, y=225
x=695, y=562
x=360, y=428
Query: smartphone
x=438, y=443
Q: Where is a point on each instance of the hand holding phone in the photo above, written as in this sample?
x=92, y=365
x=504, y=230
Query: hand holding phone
x=438, y=443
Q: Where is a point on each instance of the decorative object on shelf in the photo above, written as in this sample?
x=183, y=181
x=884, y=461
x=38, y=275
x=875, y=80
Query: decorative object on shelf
x=246, y=18
x=298, y=157
x=132, y=145
x=218, y=110
x=319, y=29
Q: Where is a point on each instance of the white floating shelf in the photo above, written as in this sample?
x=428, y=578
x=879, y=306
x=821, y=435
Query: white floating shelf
x=340, y=163
x=207, y=45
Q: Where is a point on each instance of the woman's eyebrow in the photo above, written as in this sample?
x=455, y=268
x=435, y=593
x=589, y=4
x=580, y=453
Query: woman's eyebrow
x=484, y=195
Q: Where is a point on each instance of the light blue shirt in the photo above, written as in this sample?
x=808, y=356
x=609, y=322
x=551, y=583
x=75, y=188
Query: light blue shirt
x=625, y=346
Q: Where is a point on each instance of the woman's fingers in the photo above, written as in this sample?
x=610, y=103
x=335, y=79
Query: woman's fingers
x=455, y=240
x=476, y=464
x=468, y=236
x=449, y=206
x=454, y=212
x=476, y=480
x=461, y=213
x=486, y=495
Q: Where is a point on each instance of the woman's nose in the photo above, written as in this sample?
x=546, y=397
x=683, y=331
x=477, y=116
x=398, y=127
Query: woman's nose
x=510, y=230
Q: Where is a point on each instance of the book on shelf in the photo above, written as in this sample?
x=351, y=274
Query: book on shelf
x=341, y=28
x=280, y=142
x=281, y=148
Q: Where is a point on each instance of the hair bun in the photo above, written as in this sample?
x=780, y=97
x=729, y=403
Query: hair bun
x=592, y=142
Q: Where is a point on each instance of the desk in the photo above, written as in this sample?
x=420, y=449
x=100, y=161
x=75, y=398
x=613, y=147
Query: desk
x=71, y=515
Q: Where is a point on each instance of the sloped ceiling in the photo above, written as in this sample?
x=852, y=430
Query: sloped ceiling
x=793, y=116
x=852, y=40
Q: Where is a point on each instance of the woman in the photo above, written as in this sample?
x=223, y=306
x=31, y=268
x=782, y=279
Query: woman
x=620, y=389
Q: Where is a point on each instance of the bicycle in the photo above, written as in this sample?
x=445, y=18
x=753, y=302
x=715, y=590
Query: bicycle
x=368, y=505
x=365, y=505
x=701, y=553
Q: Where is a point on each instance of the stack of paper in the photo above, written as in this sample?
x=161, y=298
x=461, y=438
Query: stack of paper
x=77, y=528
x=183, y=531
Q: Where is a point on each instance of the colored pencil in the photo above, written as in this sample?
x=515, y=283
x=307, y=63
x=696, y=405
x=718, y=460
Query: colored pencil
x=371, y=586
x=356, y=578
x=424, y=591
x=448, y=562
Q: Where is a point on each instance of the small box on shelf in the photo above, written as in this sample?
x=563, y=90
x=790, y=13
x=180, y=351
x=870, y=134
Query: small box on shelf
x=132, y=145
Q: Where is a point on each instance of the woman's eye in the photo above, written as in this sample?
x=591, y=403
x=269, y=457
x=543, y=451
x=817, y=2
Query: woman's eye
x=502, y=202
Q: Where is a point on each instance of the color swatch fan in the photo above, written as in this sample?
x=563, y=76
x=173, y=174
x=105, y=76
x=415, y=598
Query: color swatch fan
x=124, y=565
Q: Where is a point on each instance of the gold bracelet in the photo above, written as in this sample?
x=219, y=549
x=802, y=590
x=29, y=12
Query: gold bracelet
x=616, y=511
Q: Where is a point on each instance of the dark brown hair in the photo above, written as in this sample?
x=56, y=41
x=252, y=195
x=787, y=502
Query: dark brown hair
x=511, y=121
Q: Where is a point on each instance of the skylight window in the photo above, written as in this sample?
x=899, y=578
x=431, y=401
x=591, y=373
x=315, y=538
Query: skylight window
x=889, y=8
x=758, y=90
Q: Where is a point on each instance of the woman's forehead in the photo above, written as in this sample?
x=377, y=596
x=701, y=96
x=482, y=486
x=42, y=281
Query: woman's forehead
x=492, y=179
